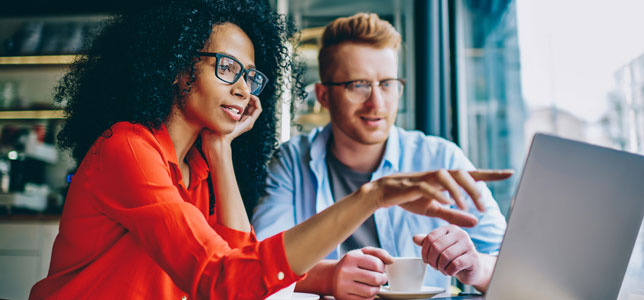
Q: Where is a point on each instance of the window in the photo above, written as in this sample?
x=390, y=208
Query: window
x=571, y=68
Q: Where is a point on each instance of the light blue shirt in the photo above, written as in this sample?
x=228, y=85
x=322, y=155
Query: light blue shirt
x=298, y=187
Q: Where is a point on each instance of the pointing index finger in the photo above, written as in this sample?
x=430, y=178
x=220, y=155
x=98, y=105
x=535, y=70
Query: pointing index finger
x=491, y=175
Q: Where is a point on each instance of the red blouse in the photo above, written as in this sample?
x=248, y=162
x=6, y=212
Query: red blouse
x=130, y=229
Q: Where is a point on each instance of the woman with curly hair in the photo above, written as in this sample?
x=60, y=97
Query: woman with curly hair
x=171, y=117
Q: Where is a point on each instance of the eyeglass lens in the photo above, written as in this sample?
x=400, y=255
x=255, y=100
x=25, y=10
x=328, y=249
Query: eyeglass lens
x=361, y=90
x=229, y=70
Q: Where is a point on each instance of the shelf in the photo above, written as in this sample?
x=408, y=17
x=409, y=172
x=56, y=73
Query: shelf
x=34, y=202
x=29, y=217
x=38, y=60
x=311, y=33
x=316, y=119
x=31, y=114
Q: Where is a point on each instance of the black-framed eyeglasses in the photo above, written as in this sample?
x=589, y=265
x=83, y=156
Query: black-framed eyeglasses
x=359, y=91
x=228, y=69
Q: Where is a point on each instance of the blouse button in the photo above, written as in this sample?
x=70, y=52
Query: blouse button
x=184, y=298
x=280, y=275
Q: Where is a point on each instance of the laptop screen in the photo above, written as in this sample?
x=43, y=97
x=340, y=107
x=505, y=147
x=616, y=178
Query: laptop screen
x=573, y=223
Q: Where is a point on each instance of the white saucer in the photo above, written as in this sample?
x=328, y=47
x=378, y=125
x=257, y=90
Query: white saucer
x=298, y=296
x=305, y=296
x=425, y=292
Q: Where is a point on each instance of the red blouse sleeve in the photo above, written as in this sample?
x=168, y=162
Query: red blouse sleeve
x=137, y=192
x=236, y=238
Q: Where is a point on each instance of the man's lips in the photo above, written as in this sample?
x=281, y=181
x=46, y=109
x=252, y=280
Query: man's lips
x=372, y=119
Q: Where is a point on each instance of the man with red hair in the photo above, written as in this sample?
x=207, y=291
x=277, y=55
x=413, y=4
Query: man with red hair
x=361, y=89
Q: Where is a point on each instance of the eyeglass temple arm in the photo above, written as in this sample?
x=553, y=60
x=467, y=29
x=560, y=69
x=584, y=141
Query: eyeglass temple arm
x=337, y=83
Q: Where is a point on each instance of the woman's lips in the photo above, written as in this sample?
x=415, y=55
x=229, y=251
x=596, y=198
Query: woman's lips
x=233, y=111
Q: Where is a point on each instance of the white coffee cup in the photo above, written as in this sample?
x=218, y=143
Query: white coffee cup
x=406, y=274
x=283, y=294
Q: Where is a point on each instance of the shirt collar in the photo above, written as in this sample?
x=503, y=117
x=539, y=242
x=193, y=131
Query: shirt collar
x=319, y=139
x=391, y=158
x=163, y=137
x=198, y=167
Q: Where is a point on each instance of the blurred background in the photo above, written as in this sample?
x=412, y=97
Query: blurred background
x=486, y=74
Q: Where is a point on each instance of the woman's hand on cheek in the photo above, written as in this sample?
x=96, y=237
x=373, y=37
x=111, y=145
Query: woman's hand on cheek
x=213, y=142
x=249, y=116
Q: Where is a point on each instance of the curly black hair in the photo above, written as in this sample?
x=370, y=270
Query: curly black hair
x=129, y=70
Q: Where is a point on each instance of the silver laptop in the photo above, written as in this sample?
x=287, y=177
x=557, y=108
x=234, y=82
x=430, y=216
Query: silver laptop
x=573, y=223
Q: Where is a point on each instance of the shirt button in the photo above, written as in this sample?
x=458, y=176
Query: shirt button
x=184, y=298
x=280, y=275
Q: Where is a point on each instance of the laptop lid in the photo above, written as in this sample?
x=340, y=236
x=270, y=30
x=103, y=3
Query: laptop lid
x=573, y=223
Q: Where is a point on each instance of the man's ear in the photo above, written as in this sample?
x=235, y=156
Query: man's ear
x=322, y=94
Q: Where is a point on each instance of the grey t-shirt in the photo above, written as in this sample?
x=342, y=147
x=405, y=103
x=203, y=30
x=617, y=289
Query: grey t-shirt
x=344, y=181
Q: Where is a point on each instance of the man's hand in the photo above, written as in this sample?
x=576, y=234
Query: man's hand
x=360, y=273
x=422, y=192
x=450, y=250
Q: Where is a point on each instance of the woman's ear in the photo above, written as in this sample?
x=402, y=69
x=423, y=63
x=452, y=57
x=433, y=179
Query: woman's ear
x=180, y=83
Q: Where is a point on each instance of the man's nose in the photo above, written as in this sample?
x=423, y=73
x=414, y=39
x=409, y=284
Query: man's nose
x=376, y=98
